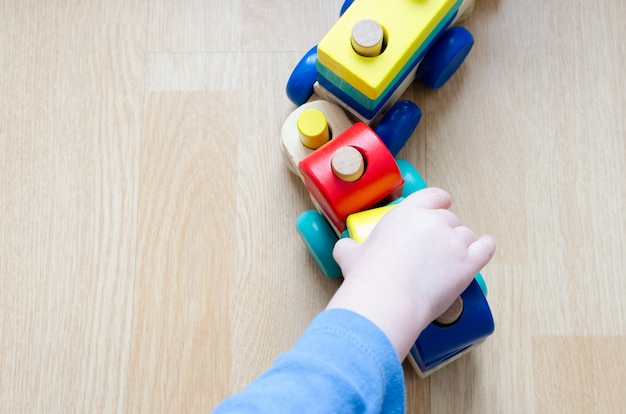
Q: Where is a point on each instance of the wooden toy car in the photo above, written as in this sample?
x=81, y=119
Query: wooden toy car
x=353, y=180
x=346, y=168
x=376, y=49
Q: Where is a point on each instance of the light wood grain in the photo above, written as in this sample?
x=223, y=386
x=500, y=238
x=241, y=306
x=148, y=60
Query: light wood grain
x=587, y=376
x=148, y=257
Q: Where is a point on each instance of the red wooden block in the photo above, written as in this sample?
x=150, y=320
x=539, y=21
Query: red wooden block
x=381, y=181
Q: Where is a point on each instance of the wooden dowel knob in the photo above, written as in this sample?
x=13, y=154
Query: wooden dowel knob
x=313, y=128
x=452, y=314
x=348, y=164
x=367, y=38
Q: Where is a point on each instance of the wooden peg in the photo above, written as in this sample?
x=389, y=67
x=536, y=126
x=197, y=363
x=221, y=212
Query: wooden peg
x=313, y=128
x=452, y=314
x=347, y=164
x=367, y=38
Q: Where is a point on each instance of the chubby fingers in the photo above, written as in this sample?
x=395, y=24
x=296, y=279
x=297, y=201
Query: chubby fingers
x=436, y=199
x=466, y=234
x=481, y=251
x=431, y=197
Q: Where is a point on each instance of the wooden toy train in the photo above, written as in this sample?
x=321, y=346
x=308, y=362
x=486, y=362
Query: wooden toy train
x=343, y=139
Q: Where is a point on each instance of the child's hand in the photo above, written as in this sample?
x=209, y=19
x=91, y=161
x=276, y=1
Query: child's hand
x=416, y=261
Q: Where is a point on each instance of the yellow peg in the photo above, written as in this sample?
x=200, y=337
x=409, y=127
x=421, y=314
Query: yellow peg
x=313, y=128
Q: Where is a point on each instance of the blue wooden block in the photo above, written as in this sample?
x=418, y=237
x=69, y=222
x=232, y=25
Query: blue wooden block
x=437, y=345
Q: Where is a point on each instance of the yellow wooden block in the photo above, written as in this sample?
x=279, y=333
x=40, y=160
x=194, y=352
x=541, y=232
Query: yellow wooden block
x=361, y=224
x=406, y=25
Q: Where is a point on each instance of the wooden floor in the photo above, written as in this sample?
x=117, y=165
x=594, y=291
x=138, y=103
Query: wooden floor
x=149, y=260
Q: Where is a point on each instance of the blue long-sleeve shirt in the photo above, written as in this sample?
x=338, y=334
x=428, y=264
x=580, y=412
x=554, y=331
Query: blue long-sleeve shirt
x=343, y=363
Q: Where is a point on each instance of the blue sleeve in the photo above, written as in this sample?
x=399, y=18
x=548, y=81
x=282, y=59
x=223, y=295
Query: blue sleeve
x=343, y=363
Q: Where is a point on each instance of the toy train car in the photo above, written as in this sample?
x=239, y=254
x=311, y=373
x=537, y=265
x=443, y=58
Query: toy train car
x=376, y=49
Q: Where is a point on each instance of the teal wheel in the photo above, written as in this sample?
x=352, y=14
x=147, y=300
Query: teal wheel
x=481, y=282
x=413, y=181
x=320, y=240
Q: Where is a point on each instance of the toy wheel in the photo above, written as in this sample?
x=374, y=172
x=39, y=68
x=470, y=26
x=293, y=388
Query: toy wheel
x=481, y=282
x=445, y=57
x=396, y=127
x=320, y=240
x=300, y=83
x=345, y=6
x=413, y=181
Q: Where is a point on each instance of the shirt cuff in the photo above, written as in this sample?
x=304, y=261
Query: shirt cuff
x=360, y=353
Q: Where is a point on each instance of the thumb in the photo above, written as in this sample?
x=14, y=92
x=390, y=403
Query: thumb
x=345, y=252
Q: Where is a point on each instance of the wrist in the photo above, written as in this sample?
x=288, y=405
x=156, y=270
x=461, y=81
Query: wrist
x=394, y=311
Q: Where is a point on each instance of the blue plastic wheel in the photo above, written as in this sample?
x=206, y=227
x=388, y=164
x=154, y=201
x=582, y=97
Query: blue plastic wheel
x=413, y=181
x=445, y=57
x=320, y=240
x=396, y=127
x=304, y=75
x=345, y=6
